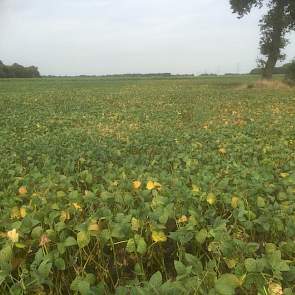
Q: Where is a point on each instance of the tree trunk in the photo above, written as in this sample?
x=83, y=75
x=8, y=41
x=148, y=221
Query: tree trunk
x=269, y=66
x=274, y=40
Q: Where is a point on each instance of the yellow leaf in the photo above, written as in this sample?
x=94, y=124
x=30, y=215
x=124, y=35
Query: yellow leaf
x=275, y=289
x=222, y=151
x=231, y=263
x=64, y=215
x=13, y=235
x=159, y=236
x=77, y=206
x=135, y=224
x=234, y=202
x=93, y=226
x=22, y=190
x=182, y=219
x=195, y=188
x=211, y=199
x=284, y=174
x=14, y=213
x=157, y=185
x=136, y=184
x=23, y=212
x=150, y=185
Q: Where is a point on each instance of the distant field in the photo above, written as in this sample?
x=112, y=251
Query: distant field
x=146, y=186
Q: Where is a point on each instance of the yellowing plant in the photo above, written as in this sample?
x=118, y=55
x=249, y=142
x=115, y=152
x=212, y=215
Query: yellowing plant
x=234, y=202
x=136, y=184
x=64, y=215
x=13, y=235
x=23, y=212
x=150, y=185
x=222, y=151
x=182, y=219
x=159, y=236
x=22, y=190
x=211, y=199
x=77, y=206
x=135, y=224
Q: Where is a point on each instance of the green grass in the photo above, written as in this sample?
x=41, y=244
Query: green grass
x=219, y=214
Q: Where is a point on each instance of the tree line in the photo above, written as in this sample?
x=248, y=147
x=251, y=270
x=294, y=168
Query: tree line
x=282, y=70
x=18, y=71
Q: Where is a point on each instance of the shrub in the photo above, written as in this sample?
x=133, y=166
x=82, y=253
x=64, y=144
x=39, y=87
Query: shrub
x=290, y=73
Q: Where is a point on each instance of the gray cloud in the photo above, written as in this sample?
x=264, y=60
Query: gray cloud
x=115, y=36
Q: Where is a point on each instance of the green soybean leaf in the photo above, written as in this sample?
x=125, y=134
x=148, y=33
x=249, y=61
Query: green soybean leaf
x=70, y=241
x=141, y=246
x=131, y=247
x=227, y=284
x=156, y=280
x=60, y=264
x=83, y=239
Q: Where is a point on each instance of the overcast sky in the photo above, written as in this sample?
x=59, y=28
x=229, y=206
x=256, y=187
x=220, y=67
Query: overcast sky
x=128, y=36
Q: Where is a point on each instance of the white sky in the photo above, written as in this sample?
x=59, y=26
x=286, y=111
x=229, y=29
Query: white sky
x=129, y=36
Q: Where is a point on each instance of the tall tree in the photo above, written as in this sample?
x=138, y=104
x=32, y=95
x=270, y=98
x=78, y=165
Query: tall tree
x=274, y=25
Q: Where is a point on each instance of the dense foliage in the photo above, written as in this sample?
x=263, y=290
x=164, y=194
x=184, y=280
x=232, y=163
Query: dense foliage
x=278, y=20
x=18, y=71
x=282, y=70
x=180, y=186
x=290, y=73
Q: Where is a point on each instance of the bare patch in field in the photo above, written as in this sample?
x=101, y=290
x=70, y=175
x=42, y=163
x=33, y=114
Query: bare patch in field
x=265, y=84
